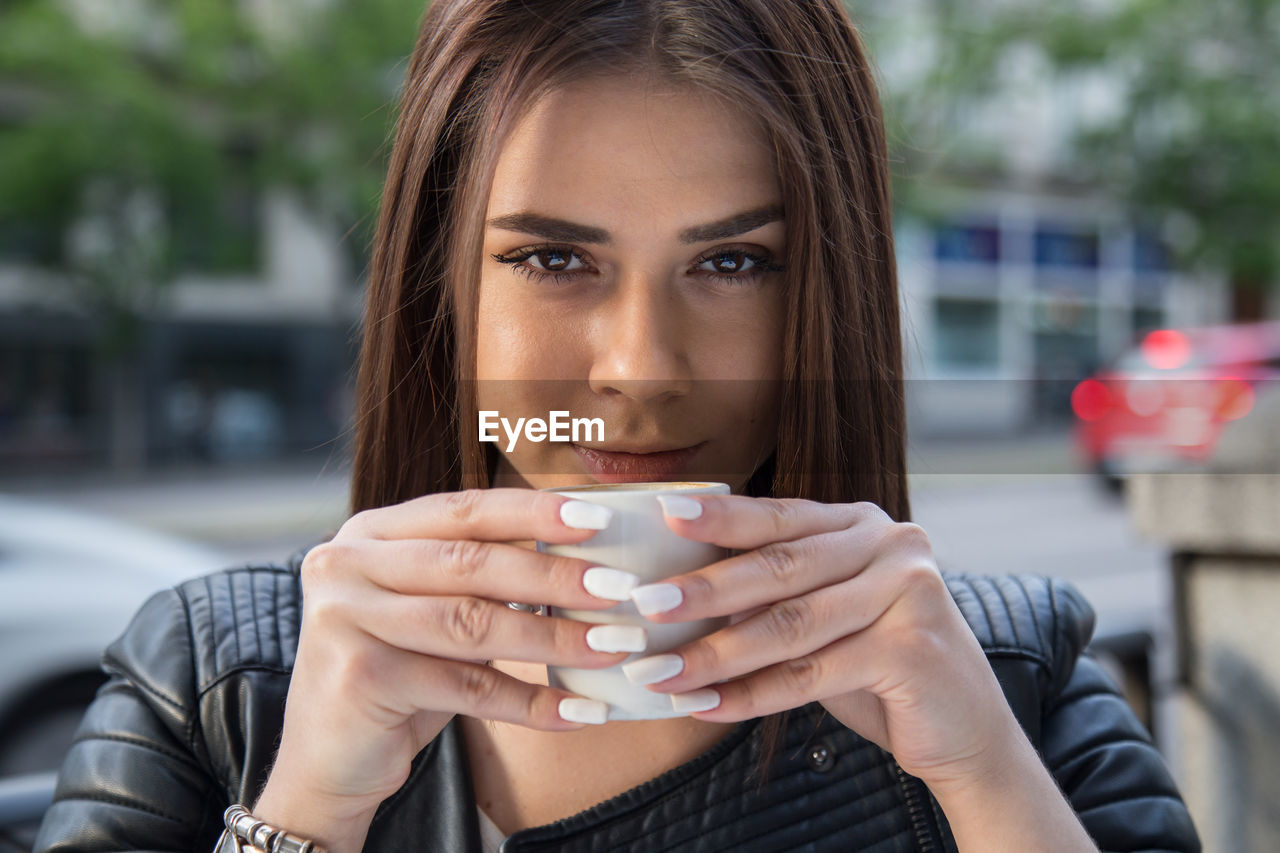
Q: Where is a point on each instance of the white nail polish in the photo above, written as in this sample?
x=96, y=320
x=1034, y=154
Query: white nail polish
x=584, y=515
x=583, y=711
x=617, y=638
x=613, y=584
x=695, y=700
x=651, y=670
x=678, y=506
x=657, y=598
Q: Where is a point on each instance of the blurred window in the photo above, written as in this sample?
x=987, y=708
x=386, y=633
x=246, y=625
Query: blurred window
x=1065, y=312
x=1149, y=290
x=228, y=397
x=966, y=332
x=972, y=243
x=1063, y=357
x=44, y=400
x=1062, y=247
x=1150, y=254
x=1145, y=319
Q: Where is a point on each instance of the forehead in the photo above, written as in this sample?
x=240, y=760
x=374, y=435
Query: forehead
x=618, y=140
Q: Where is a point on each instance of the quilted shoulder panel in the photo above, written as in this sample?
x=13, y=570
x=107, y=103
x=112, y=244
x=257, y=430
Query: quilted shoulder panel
x=1036, y=618
x=241, y=618
x=246, y=617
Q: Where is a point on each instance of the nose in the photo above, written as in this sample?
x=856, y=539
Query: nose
x=642, y=346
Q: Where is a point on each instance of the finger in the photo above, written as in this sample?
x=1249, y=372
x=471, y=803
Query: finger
x=492, y=570
x=919, y=632
x=845, y=666
x=762, y=576
x=485, y=693
x=466, y=628
x=500, y=515
x=741, y=522
x=785, y=630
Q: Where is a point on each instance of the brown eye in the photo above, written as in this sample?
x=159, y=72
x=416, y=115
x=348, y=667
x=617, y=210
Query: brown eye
x=550, y=263
x=736, y=266
x=730, y=262
x=554, y=260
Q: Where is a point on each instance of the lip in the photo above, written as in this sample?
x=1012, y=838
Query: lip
x=613, y=466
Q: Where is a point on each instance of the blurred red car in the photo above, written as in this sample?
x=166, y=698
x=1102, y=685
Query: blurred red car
x=1162, y=405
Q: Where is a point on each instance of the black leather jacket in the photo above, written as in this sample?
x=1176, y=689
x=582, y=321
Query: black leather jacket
x=189, y=720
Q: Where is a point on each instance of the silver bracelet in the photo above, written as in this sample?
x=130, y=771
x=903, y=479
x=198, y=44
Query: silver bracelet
x=245, y=832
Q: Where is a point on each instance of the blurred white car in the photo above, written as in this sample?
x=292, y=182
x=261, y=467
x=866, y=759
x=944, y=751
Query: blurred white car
x=69, y=584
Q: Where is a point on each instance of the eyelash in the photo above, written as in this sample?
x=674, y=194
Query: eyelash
x=762, y=264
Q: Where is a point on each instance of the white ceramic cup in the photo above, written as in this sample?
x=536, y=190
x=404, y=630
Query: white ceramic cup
x=639, y=541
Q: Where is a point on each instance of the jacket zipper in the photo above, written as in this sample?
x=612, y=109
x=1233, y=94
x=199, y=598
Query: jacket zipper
x=919, y=819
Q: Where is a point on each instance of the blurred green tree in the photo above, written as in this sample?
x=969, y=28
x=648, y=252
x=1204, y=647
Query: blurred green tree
x=1189, y=133
x=137, y=139
x=1200, y=129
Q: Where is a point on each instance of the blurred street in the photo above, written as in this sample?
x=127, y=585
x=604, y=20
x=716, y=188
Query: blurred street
x=248, y=515
x=1022, y=505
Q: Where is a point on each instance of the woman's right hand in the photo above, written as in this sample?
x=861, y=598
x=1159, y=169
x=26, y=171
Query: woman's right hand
x=401, y=610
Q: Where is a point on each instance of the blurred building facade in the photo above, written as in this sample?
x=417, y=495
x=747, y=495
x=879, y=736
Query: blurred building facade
x=234, y=368
x=1018, y=276
x=1016, y=293
x=1006, y=303
x=246, y=354
x=1019, y=282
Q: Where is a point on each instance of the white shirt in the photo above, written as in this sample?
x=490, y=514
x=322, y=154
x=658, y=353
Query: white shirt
x=490, y=836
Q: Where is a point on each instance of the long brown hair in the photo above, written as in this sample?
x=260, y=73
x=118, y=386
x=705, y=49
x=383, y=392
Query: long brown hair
x=799, y=68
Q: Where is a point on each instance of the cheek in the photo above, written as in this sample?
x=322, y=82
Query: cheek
x=747, y=344
x=508, y=338
x=524, y=356
x=761, y=413
x=499, y=341
x=756, y=350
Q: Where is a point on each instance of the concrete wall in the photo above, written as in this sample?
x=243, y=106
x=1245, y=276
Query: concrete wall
x=1223, y=531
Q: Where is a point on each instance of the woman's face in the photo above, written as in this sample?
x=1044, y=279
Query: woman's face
x=631, y=274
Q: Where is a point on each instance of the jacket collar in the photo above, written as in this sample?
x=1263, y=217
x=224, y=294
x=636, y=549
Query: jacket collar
x=437, y=802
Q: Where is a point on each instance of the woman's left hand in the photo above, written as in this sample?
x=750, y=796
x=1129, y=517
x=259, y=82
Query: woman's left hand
x=839, y=604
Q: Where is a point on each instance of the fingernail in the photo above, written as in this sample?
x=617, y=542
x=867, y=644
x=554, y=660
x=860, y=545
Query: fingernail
x=657, y=598
x=584, y=515
x=613, y=584
x=617, y=638
x=653, y=669
x=583, y=711
x=695, y=700
x=678, y=506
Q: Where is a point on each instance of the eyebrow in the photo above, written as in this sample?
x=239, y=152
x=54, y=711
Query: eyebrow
x=550, y=228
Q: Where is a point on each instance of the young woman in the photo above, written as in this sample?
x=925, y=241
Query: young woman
x=673, y=216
